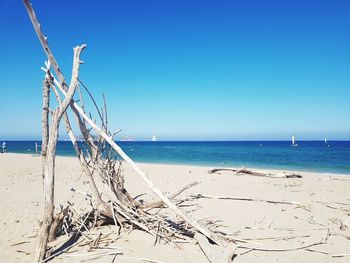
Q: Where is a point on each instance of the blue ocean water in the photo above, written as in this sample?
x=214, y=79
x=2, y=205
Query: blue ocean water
x=309, y=155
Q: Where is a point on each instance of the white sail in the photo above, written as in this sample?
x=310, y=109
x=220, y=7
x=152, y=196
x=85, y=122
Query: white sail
x=293, y=140
x=325, y=140
x=154, y=138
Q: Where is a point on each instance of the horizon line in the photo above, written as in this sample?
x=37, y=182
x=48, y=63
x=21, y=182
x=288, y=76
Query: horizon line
x=255, y=140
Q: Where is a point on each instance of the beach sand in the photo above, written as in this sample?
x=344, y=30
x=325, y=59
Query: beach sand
x=324, y=202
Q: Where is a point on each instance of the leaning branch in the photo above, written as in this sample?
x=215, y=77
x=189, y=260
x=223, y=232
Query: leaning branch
x=188, y=219
x=159, y=204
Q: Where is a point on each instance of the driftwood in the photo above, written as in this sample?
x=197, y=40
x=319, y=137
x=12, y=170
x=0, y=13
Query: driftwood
x=79, y=111
x=198, y=196
x=159, y=204
x=57, y=222
x=45, y=121
x=49, y=163
x=244, y=171
x=303, y=246
x=100, y=204
x=99, y=157
x=215, y=254
x=284, y=249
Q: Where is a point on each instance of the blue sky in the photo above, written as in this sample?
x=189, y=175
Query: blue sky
x=187, y=70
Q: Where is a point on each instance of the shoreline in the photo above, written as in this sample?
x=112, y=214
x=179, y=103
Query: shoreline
x=312, y=156
x=208, y=166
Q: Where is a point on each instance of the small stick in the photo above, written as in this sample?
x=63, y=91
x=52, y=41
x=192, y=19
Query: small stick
x=115, y=255
x=19, y=243
x=284, y=249
x=24, y=252
x=115, y=218
x=160, y=204
x=244, y=199
x=61, y=251
x=340, y=255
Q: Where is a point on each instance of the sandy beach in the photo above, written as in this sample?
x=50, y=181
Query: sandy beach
x=261, y=228
x=175, y=131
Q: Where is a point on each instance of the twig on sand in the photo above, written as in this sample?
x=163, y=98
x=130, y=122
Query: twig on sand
x=19, y=243
x=143, y=259
x=327, y=253
x=321, y=242
x=283, y=249
x=197, y=196
x=277, y=238
x=24, y=252
x=341, y=255
x=61, y=251
x=160, y=204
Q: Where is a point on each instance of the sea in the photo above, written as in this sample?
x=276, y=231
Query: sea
x=316, y=156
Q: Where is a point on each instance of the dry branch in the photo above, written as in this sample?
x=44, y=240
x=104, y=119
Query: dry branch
x=79, y=112
x=49, y=163
x=57, y=222
x=284, y=249
x=45, y=121
x=159, y=204
x=244, y=171
x=197, y=196
x=321, y=242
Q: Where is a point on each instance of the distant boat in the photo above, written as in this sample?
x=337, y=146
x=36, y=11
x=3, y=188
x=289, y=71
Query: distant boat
x=154, y=138
x=293, y=141
x=325, y=141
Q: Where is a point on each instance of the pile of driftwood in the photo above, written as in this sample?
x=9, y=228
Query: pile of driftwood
x=100, y=159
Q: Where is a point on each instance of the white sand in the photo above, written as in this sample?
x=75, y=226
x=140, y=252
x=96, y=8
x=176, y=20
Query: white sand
x=264, y=225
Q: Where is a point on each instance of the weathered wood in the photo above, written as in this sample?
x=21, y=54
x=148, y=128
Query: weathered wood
x=213, y=253
x=151, y=186
x=245, y=199
x=49, y=173
x=43, y=41
x=159, y=204
x=57, y=222
x=76, y=108
x=45, y=121
x=49, y=167
x=100, y=204
x=244, y=171
x=149, y=183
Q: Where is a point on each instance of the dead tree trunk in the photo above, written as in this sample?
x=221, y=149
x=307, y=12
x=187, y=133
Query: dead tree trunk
x=45, y=120
x=49, y=166
x=49, y=179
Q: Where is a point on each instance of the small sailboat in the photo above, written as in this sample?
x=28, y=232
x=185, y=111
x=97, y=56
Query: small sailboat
x=325, y=141
x=154, y=138
x=293, y=141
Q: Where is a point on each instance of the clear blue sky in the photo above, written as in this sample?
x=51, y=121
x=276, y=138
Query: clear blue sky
x=188, y=70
